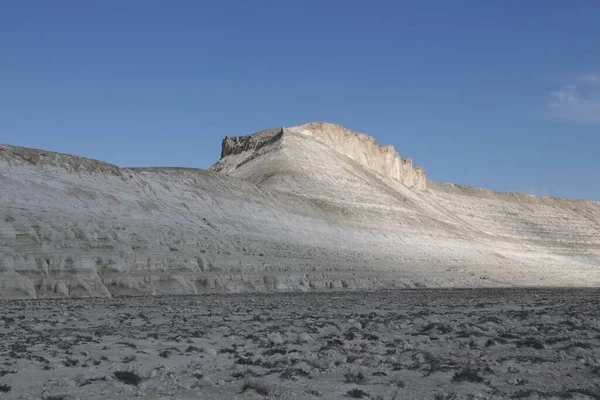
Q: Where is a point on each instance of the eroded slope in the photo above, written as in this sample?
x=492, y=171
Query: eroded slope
x=281, y=211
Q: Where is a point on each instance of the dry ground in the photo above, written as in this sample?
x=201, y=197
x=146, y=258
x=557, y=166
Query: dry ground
x=404, y=344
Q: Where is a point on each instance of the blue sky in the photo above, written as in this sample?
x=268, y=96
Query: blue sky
x=497, y=94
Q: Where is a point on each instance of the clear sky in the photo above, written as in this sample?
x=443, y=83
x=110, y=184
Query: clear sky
x=497, y=94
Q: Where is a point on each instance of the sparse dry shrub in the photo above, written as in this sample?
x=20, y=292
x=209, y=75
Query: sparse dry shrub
x=128, y=377
x=355, y=377
x=164, y=354
x=357, y=394
x=468, y=375
x=259, y=387
x=294, y=373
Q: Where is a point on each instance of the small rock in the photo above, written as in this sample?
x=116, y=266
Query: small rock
x=420, y=359
x=63, y=381
x=275, y=338
x=391, y=360
x=80, y=379
x=356, y=325
x=304, y=337
x=206, y=382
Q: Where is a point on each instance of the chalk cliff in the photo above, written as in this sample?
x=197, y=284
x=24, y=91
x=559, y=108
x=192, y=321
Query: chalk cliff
x=359, y=147
x=313, y=207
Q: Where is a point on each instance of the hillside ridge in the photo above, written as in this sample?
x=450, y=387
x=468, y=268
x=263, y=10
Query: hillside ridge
x=287, y=209
x=39, y=157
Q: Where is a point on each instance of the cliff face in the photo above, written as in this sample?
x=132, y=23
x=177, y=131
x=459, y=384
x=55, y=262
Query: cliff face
x=314, y=207
x=233, y=145
x=363, y=149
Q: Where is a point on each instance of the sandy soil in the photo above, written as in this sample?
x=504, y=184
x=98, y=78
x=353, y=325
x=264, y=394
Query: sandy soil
x=403, y=344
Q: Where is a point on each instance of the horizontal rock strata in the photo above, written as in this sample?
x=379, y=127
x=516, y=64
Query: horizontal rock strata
x=313, y=207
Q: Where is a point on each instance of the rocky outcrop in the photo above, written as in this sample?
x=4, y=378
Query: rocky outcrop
x=383, y=160
x=233, y=145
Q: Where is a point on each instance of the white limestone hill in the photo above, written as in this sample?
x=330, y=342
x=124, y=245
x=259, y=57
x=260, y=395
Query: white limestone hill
x=312, y=207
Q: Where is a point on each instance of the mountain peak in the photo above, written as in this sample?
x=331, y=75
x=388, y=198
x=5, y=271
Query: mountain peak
x=359, y=147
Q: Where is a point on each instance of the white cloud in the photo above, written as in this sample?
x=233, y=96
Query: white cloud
x=564, y=95
x=570, y=104
x=591, y=80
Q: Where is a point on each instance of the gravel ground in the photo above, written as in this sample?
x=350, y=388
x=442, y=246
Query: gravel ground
x=402, y=344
